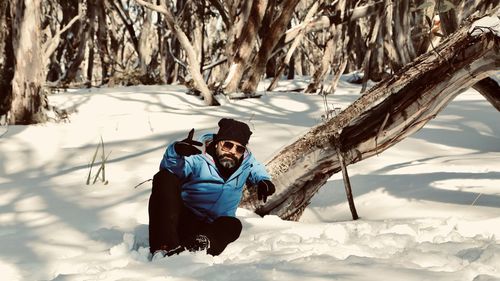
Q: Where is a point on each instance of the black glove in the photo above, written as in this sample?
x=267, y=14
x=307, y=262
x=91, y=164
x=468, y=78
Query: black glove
x=265, y=188
x=186, y=146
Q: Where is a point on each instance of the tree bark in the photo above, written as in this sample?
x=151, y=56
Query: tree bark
x=145, y=45
x=52, y=44
x=125, y=17
x=7, y=59
x=28, y=101
x=66, y=52
x=76, y=60
x=244, y=45
x=368, y=54
x=383, y=116
x=401, y=30
x=270, y=40
x=487, y=87
x=114, y=45
x=325, y=64
x=389, y=43
x=295, y=44
x=339, y=17
x=102, y=40
x=91, y=10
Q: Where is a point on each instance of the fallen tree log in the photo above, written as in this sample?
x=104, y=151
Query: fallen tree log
x=386, y=114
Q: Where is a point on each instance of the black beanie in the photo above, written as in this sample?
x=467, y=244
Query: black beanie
x=230, y=129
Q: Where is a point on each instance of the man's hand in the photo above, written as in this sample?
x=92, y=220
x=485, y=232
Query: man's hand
x=186, y=147
x=265, y=188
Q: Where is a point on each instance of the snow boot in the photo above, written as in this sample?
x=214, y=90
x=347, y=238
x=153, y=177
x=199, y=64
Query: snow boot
x=199, y=243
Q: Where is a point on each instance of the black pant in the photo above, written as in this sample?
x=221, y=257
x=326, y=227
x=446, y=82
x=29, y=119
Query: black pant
x=172, y=224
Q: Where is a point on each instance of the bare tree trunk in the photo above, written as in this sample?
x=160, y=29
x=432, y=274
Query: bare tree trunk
x=293, y=47
x=76, y=61
x=421, y=27
x=49, y=47
x=244, y=45
x=194, y=65
x=91, y=7
x=145, y=46
x=389, y=42
x=102, y=40
x=357, y=46
x=114, y=46
x=172, y=47
x=340, y=16
x=235, y=25
x=326, y=62
x=201, y=28
x=162, y=48
x=368, y=55
x=400, y=31
x=377, y=60
x=125, y=17
x=64, y=51
x=270, y=40
x=383, y=116
x=448, y=16
x=337, y=73
x=340, y=59
x=28, y=101
x=7, y=59
x=407, y=29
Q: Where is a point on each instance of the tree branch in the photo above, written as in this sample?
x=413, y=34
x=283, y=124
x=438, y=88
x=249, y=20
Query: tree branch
x=50, y=46
x=128, y=26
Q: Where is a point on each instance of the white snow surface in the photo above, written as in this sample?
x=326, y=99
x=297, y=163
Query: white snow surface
x=429, y=207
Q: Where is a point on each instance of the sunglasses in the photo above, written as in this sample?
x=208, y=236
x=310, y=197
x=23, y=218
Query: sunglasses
x=227, y=146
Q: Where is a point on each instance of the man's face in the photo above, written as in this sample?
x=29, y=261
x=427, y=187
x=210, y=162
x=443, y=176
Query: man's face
x=229, y=153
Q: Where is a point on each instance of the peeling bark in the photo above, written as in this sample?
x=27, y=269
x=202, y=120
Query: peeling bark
x=28, y=101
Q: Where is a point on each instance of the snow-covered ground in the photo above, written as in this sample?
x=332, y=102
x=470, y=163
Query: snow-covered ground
x=429, y=207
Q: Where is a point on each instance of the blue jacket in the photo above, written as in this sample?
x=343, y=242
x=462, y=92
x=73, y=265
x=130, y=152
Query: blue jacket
x=204, y=191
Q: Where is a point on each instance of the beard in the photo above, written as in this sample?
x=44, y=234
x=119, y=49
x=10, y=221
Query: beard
x=227, y=161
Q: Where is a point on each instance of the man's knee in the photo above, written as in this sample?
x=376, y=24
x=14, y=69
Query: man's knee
x=223, y=231
x=165, y=178
x=229, y=227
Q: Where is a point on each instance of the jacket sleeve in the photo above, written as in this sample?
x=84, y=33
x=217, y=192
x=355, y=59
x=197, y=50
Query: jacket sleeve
x=257, y=172
x=175, y=163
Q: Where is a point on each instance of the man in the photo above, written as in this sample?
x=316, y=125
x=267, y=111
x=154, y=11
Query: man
x=195, y=195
